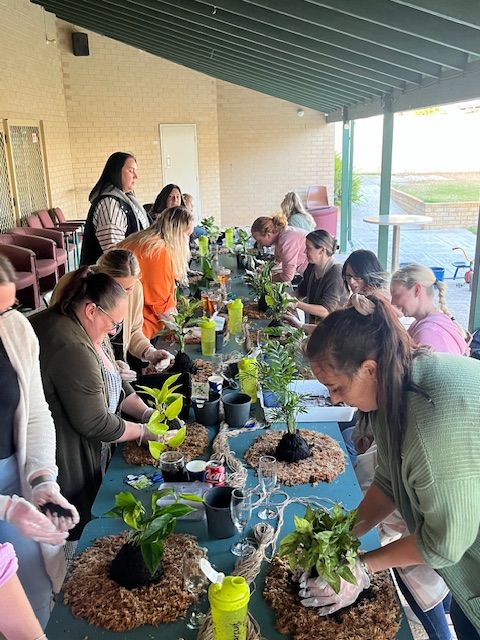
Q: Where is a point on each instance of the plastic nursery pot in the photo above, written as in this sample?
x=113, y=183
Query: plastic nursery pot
x=262, y=304
x=237, y=408
x=217, y=508
x=207, y=413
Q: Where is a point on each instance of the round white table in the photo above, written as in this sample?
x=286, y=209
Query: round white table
x=396, y=221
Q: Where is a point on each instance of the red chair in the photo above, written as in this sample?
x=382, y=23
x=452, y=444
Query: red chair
x=46, y=253
x=57, y=214
x=68, y=230
x=52, y=234
x=24, y=263
x=317, y=196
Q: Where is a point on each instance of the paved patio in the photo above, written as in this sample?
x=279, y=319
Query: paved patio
x=431, y=247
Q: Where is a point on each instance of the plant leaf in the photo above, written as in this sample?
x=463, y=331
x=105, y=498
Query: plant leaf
x=178, y=438
x=192, y=497
x=174, y=408
x=156, y=448
x=152, y=554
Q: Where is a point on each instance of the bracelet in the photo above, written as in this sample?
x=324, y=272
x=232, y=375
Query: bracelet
x=142, y=433
x=40, y=480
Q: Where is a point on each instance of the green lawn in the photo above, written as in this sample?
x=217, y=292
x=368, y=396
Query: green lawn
x=445, y=191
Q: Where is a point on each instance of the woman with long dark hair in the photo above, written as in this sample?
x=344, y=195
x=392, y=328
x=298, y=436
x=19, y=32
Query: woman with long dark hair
x=169, y=196
x=424, y=410
x=114, y=213
x=363, y=273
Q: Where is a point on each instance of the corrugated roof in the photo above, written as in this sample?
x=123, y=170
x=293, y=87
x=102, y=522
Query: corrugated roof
x=358, y=55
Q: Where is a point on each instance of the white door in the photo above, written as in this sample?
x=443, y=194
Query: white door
x=179, y=159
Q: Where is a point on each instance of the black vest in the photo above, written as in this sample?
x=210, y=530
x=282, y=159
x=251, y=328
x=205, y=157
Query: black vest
x=91, y=249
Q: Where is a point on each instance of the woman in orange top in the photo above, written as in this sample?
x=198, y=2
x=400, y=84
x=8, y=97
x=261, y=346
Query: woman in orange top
x=163, y=253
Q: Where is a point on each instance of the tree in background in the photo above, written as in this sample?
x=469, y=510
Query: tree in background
x=356, y=183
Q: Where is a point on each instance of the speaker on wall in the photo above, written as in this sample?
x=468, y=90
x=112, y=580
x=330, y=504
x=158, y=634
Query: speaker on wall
x=80, y=44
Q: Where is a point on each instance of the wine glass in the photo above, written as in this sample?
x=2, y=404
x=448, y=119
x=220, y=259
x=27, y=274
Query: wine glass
x=241, y=511
x=195, y=582
x=267, y=475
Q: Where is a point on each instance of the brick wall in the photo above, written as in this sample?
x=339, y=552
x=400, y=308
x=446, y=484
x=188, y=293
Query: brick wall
x=252, y=149
x=445, y=214
x=32, y=88
x=267, y=150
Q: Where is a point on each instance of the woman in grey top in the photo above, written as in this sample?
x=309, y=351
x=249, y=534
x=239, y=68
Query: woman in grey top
x=294, y=211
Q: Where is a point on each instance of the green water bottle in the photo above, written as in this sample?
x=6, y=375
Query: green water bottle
x=203, y=246
x=235, y=316
x=248, y=375
x=207, y=336
x=229, y=238
x=229, y=605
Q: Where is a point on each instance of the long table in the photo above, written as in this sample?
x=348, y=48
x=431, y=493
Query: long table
x=343, y=489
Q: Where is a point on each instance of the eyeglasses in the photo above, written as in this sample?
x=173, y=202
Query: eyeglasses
x=350, y=276
x=115, y=325
x=14, y=306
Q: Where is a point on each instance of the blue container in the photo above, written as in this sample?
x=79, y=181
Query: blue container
x=439, y=273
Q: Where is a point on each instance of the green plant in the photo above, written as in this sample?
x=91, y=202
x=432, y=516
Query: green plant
x=323, y=542
x=181, y=319
x=257, y=280
x=356, y=183
x=211, y=228
x=277, y=299
x=168, y=405
x=150, y=531
x=206, y=268
x=243, y=240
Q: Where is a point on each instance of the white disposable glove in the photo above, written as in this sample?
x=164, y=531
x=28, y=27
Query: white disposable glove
x=315, y=592
x=161, y=358
x=46, y=496
x=126, y=374
x=31, y=523
x=292, y=320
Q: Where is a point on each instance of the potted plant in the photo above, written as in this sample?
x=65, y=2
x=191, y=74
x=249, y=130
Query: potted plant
x=139, y=560
x=244, y=258
x=323, y=545
x=167, y=405
x=212, y=229
x=175, y=325
x=258, y=280
x=276, y=372
x=278, y=301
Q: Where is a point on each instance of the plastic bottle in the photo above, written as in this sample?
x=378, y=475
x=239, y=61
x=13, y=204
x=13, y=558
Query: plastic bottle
x=248, y=375
x=203, y=246
x=229, y=238
x=229, y=605
x=235, y=316
x=207, y=336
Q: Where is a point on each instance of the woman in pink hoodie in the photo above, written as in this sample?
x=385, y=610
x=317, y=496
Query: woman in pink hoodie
x=289, y=243
x=413, y=288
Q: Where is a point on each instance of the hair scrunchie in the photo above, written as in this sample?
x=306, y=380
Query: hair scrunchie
x=363, y=305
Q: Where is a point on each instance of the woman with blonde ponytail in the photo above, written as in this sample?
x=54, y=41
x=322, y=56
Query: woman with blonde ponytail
x=294, y=211
x=413, y=291
x=289, y=245
x=163, y=253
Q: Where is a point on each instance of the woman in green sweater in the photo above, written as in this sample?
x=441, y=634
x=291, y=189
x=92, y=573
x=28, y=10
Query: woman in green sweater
x=424, y=409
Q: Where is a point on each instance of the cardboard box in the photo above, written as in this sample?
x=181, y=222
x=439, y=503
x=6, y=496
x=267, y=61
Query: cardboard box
x=316, y=392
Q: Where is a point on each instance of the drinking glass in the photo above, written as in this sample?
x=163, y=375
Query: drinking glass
x=241, y=336
x=241, y=512
x=195, y=582
x=172, y=466
x=267, y=475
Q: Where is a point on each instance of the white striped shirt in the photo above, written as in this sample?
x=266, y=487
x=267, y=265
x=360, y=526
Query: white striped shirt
x=110, y=222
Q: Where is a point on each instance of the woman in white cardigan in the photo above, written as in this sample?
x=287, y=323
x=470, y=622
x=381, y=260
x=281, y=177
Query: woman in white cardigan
x=27, y=459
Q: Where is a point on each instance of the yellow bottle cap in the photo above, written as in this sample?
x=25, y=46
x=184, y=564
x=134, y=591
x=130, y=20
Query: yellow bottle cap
x=232, y=594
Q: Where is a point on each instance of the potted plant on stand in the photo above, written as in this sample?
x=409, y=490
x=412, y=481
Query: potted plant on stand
x=176, y=325
x=276, y=372
x=139, y=560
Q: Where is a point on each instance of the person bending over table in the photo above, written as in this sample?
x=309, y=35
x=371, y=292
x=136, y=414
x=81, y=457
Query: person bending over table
x=83, y=386
x=163, y=254
x=123, y=267
x=27, y=458
x=289, y=245
x=413, y=291
x=424, y=410
x=321, y=289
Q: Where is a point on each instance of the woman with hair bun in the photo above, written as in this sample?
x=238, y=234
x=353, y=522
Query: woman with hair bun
x=413, y=292
x=321, y=289
x=289, y=245
x=424, y=410
x=82, y=385
x=294, y=211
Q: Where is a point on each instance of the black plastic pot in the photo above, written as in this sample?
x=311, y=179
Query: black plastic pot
x=129, y=570
x=262, y=304
x=217, y=507
x=292, y=448
x=207, y=413
x=274, y=323
x=240, y=263
x=237, y=408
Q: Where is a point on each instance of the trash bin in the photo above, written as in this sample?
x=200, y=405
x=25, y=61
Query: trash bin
x=325, y=218
x=439, y=273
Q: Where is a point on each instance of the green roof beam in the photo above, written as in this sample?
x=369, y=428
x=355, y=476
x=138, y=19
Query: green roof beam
x=461, y=11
